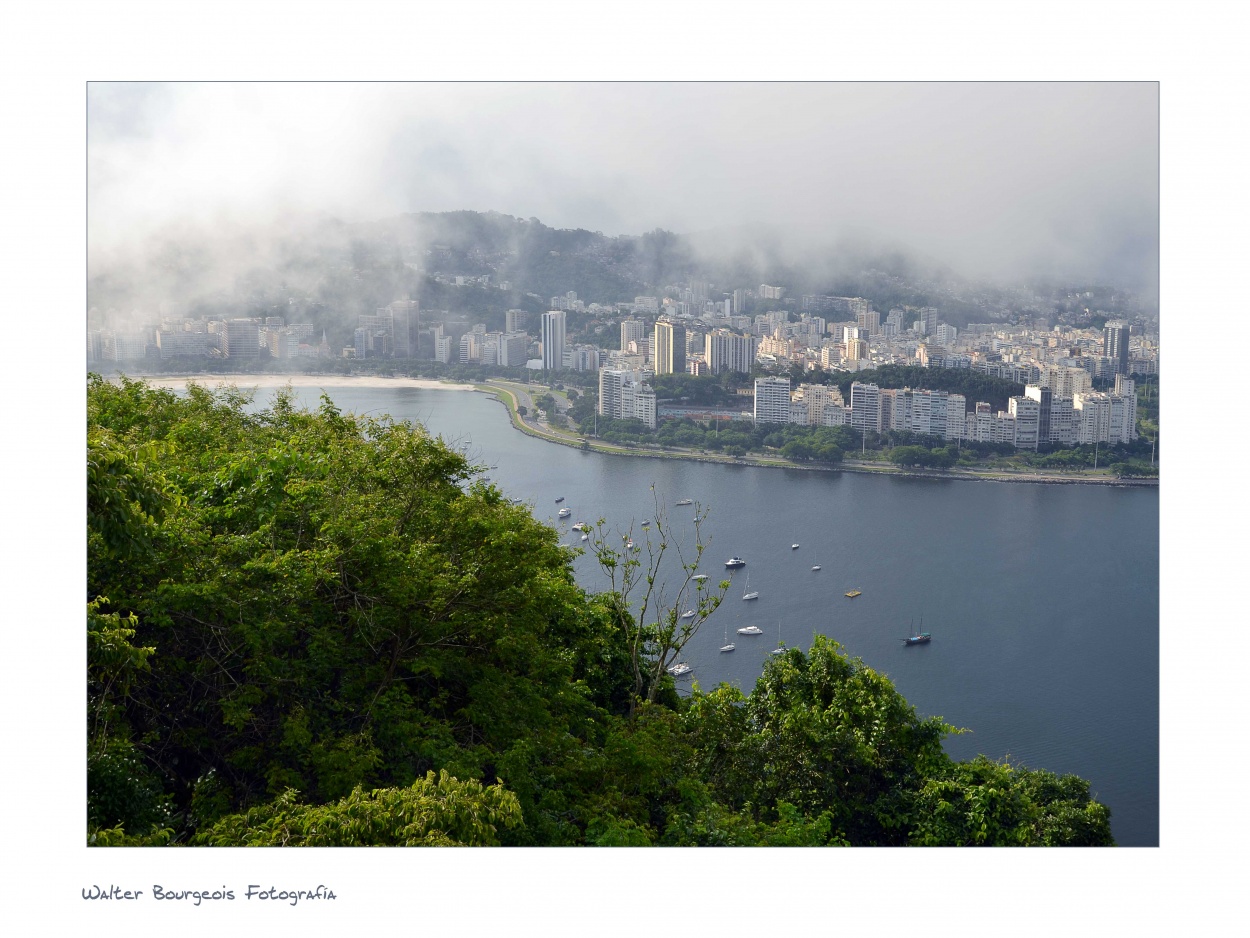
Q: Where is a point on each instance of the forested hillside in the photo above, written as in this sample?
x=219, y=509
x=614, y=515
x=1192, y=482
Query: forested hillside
x=306, y=627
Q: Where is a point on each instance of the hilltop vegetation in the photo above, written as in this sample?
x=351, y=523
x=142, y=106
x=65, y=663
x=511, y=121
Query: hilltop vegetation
x=306, y=627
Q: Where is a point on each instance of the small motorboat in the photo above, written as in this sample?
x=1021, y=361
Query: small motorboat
x=816, y=567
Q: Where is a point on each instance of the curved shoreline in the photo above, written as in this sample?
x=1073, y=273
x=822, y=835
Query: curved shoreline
x=971, y=475
x=539, y=432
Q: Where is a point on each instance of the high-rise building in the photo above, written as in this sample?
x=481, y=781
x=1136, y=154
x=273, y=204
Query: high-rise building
x=1115, y=336
x=553, y=340
x=772, y=400
x=869, y=322
x=514, y=320
x=405, y=326
x=670, y=348
x=927, y=323
x=512, y=349
x=1025, y=411
x=623, y=395
x=632, y=330
x=241, y=339
x=1044, y=397
x=865, y=406
x=726, y=351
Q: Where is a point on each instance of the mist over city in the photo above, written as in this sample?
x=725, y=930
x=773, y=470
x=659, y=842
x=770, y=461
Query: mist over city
x=194, y=186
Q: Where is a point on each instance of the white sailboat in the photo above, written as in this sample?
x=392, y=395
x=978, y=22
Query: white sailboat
x=728, y=646
x=781, y=646
x=749, y=594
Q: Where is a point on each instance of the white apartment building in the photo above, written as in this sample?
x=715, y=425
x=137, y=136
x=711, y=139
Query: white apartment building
x=1093, y=417
x=514, y=320
x=513, y=347
x=632, y=330
x=726, y=351
x=865, y=407
x=772, y=400
x=1026, y=413
x=622, y=395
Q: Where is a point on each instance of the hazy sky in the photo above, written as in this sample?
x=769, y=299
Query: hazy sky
x=1004, y=179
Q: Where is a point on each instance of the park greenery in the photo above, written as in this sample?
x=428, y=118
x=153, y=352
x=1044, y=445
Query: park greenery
x=308, y=627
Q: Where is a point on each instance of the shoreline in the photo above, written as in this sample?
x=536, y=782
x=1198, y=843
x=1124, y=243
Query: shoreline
x=267, y=381
x=300, y=381
x=765, y=462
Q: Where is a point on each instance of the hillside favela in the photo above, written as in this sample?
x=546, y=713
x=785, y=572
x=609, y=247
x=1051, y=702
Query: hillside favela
x=467, y=527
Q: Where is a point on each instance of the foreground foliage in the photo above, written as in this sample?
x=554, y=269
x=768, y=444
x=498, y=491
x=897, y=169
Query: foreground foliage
x=311, y=628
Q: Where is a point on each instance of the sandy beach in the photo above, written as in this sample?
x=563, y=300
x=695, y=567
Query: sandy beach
x=300, y=381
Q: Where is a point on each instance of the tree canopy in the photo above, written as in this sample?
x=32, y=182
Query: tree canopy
x=307, y=627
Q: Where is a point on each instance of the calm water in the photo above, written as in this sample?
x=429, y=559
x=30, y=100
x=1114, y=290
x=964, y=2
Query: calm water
x=1042, y=599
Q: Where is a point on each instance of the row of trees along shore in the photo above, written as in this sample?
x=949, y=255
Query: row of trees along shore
x=307, y=627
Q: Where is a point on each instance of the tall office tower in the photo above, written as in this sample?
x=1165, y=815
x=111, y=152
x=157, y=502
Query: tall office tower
x=772, y=400
x=241, y=339
x=740, y=301
x=725, y=351
x=928, y=320
x=1043, y=396
x=869, y=322
x=1025, y=411
x=405, y=326
x=514, y=320
x=1115, y=337
x=670, y=348
x=865, y=406
x=632, y=330
x=553, y=340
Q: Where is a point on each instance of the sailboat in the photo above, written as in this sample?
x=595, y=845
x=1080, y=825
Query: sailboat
x=918, y=638
x=749, y=594
x=781, y=646
x=728, y=646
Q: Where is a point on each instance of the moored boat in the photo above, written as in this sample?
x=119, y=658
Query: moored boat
x=679, y=669
x=685, y=501
x=751, y=630
x=851, y=594
x=735, y=562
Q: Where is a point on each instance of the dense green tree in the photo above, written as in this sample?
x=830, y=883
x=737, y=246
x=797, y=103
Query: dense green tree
x=308, y=627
